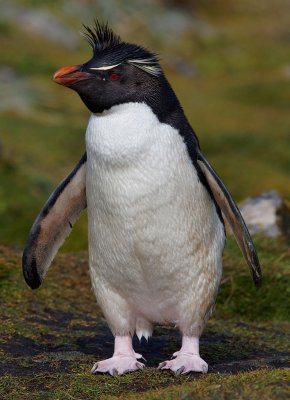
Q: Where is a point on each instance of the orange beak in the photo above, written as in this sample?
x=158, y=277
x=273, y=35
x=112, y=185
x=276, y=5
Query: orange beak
x=67, y=76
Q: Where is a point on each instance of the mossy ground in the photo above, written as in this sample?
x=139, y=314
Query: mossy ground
x=51, y=337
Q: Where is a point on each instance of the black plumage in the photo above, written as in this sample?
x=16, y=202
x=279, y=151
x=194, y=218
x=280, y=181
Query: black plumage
x=109, y=49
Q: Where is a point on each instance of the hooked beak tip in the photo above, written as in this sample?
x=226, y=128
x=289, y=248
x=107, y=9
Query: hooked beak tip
x=62, y=72
x=67, y=76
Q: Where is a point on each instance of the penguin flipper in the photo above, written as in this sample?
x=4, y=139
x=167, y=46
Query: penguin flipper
x=233, y=217
x=53, y=224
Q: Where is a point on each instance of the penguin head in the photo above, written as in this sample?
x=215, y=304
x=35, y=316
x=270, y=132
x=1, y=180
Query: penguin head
x=117, y=73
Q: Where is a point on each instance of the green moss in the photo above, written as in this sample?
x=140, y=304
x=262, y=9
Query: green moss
x=262, y=94
x=238, y=295
x=50, y=338
x=5, y=28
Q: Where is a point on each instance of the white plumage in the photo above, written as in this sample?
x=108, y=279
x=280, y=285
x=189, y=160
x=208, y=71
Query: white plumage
x=155, y=239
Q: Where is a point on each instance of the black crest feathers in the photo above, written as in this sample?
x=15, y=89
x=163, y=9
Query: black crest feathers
x=109, y=49
x=101, y=37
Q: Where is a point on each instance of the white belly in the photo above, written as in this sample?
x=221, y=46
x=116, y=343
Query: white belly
x=155, y=240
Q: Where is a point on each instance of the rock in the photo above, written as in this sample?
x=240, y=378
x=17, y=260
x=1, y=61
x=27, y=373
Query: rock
x=266, y=214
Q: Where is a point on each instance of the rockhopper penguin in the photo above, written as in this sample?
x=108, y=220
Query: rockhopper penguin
x=156, y=233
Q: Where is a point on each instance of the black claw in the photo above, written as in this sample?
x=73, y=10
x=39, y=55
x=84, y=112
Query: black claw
x=179, y=371
x=140, y=366
x=162, y=364
x=94, y=369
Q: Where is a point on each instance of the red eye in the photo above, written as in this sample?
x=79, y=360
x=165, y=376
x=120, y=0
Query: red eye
x=114, y=77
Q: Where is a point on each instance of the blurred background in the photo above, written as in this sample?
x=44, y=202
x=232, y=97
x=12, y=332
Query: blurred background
x=227, y=60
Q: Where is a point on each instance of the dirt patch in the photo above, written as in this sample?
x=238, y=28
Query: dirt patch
x=96, y=341
x=50, y=339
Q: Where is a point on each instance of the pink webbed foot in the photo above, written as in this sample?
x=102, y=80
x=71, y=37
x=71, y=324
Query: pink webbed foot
x=124, y=359
x=187, y=359
x=118, y=365
x=185, y=363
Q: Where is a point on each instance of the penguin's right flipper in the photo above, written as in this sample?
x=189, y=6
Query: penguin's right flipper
x=233, y=216
x=53, y=224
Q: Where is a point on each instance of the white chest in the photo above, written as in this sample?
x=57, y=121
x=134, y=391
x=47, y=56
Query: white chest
x=148, y=213
x=132, y=155
x=121, y=135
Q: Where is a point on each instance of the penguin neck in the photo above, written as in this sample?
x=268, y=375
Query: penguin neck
x=168, y=110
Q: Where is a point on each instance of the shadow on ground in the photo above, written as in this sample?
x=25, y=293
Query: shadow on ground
x=231, y=353
x=50, y=339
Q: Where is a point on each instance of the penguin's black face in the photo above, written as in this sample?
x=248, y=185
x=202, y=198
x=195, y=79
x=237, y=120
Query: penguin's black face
x=117, y=73
x=100, y=89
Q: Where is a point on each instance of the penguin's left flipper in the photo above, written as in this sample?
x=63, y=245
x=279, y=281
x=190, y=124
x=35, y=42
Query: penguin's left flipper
x=233, y=217
x=53, y=224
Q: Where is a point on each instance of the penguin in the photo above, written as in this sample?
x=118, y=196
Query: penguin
x=155, y=207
